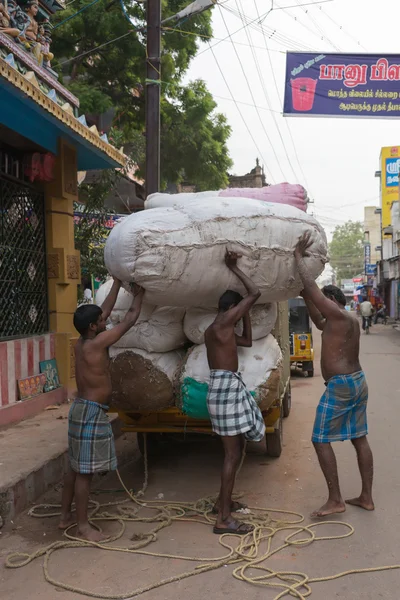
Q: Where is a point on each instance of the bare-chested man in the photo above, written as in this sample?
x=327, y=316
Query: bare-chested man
x=233, y=410
x=342, y=411
x=90, y=437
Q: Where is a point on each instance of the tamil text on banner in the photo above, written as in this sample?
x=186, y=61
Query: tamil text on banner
x=342, y=85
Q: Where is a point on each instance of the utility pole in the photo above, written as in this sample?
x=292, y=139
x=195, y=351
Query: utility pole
x=153, y=92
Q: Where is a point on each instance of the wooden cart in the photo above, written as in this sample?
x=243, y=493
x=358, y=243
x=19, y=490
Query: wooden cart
x=173, y=421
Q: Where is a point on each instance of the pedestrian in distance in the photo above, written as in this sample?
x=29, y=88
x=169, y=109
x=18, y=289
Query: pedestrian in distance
x=234, y=413
x=342, y=410
x=90, y=437
x=366, y=312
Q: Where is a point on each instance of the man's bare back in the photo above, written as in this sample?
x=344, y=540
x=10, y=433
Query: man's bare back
x=340, y=345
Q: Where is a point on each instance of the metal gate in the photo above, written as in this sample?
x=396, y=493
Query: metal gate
x=23, y=272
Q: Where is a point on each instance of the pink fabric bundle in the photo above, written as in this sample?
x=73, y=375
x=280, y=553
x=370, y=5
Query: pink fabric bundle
x=282, y=193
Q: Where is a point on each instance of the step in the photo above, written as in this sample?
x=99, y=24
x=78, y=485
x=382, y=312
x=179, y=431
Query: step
x=33, y=457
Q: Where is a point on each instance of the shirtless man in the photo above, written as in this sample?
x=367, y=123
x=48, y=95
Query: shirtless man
x=90, y=437
x=233, y=410
x=342, y=411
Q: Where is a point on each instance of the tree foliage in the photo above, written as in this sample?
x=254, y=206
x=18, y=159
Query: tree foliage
x=347, y=250
x=194, y=135
x=90, y=230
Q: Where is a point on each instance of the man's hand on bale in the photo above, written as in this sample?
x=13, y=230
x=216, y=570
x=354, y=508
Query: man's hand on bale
x=231, y=259
x=303, y=245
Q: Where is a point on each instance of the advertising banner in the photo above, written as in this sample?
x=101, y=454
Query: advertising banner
x=390, y=167
x=342, y=85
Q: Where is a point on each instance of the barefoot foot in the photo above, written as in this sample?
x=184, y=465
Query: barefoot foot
x=365, y=503
x=66, y=521
x=330, y=508
x=90, y=535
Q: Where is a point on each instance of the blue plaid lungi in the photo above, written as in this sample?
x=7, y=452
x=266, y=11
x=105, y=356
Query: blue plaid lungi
x=91, y=446
x=232, y=409
x=342, y=410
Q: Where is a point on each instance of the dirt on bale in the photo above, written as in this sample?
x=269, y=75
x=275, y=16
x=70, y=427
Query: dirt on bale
x=139, y=385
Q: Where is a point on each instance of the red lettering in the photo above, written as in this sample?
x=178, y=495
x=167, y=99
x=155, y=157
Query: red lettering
x=355, y=75
x=379, y=72
x=326, y=72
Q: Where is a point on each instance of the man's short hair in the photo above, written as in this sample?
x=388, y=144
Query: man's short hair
x=228, y=299
x=334, y=293
x=85, y=316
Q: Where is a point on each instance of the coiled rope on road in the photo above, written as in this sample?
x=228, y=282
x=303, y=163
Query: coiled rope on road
x=247, y=556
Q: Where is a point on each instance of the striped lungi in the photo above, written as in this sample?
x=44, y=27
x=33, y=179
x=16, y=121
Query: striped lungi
x=342, y=410
x=232, y=408
x=90, y=438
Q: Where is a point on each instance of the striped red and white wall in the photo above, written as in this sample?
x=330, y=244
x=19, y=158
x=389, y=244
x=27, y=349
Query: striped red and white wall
x=19, y=359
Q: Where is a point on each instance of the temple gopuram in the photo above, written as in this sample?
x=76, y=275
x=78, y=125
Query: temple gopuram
x=44, y=142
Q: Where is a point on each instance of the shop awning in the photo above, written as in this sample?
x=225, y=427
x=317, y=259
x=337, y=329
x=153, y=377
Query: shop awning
x=26, y=109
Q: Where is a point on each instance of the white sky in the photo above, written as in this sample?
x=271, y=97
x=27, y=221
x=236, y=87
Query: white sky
x=339, y=157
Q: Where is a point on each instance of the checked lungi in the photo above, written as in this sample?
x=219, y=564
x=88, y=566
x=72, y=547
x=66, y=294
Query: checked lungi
x=90, y=438
x=342, y=410
x=232, y=408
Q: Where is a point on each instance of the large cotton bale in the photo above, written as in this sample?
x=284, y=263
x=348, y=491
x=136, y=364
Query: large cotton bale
x=177, y=254
x=197, y=320
x=259, y=365
x=123, y=303
x=161, y=332
x=143, y=381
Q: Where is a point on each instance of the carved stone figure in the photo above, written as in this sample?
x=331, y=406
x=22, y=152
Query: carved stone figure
x=5, y=22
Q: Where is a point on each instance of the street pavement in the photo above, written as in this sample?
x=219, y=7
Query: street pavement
x=294, y=482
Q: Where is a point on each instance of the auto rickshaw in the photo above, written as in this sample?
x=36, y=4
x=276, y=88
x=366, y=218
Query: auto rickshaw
x=301, y=342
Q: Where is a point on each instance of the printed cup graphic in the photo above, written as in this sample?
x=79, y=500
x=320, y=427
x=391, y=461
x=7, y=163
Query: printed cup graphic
x=303, y=93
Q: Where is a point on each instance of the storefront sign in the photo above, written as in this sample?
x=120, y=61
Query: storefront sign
x=342, y=85
x=370, y=269
x=390, y=167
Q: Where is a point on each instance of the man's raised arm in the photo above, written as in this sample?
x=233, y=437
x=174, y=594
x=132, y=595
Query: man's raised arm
x=109, y=337
x=111, y=299
x=326, y=307
x=253, y=293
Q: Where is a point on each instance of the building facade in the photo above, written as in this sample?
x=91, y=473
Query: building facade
x=44, y=141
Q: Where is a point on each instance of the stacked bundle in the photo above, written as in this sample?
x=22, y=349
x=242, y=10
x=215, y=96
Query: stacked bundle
x=176, y=254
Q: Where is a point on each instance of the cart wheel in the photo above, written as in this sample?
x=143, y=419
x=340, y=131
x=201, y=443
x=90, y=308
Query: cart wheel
x=274, y=441
x=153, y=443
x=310, y=372
x=287, y=401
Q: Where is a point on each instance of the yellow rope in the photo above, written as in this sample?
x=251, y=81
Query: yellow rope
x=248, y=556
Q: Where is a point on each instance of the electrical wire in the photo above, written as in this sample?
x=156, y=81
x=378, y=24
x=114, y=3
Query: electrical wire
x=252, y=95
x=349, y=35
x=307, y=12
x=75, y=14
x=212, y=37
x=234, y=33
x=240, y=112
x=273, y=34
x=95, y=48
x=285, y=9
x=262, y=81
x=280, y=100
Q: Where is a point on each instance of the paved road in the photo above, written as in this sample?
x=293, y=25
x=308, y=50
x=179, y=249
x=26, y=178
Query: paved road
x=293, y=482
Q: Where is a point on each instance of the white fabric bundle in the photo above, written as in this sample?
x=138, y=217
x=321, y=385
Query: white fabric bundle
x=197, y=320
x=255, y=363
x=259, y=365
x=123, y=303
x=142, y=380
x=177, y=254
x=161, y=332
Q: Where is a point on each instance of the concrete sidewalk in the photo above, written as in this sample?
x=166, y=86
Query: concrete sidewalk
x=33, y=457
